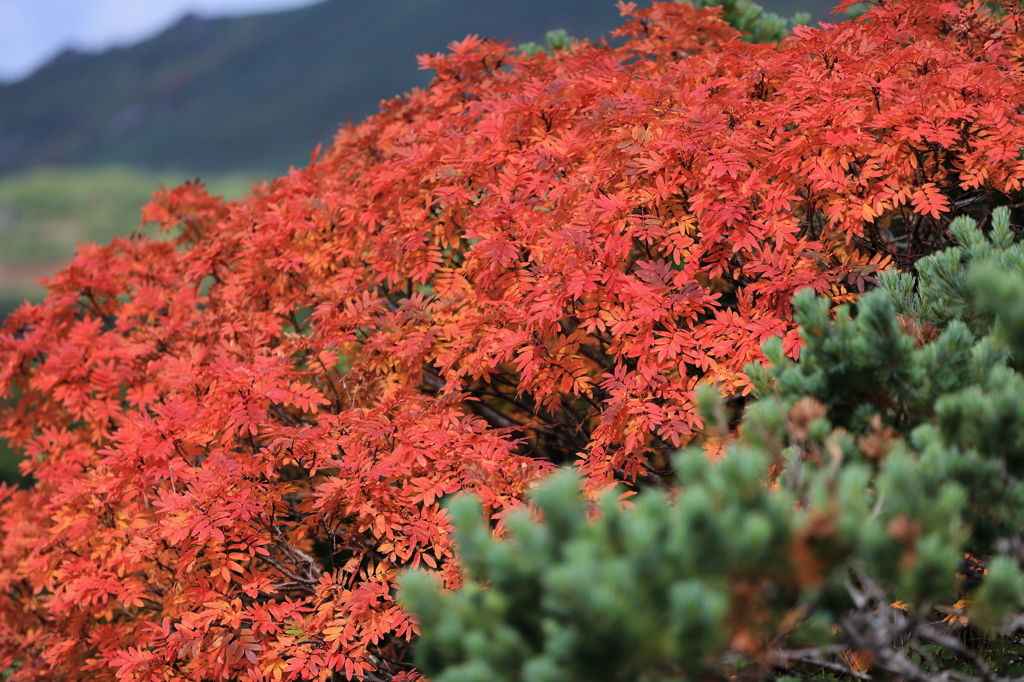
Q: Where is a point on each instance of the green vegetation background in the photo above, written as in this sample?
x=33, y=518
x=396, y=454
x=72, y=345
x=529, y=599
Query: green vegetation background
x=45, y=214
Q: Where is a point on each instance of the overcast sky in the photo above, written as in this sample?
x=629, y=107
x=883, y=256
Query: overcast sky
x=33, y=31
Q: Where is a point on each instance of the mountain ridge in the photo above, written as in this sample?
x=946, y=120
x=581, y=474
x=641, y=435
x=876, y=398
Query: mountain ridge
x=259, y=92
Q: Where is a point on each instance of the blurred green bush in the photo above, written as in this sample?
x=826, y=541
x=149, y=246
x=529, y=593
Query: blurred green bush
x=868, y=521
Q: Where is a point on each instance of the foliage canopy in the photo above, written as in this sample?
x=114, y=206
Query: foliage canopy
x=240, y=436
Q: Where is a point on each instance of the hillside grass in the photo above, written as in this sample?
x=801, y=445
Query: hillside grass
x=45, y=214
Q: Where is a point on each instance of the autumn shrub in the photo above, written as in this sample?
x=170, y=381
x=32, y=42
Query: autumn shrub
x=238, y=437
x=867, y=523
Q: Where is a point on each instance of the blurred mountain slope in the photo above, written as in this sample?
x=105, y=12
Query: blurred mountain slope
x=259, y=92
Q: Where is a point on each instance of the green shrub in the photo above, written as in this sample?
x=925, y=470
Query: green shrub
x=760, y=26
x=868, y=519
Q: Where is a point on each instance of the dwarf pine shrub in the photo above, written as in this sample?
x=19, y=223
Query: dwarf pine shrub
x=867, y=521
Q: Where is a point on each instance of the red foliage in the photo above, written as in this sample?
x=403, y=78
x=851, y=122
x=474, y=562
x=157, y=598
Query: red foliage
x=239, y=436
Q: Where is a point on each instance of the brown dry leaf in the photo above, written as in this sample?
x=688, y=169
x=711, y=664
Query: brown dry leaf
x=922, y=332
x=835, y=451
x=803, y=412
x=744, y=641
x=809, y=566
x=876, y=443
x=714, y=447
x=957, y=613
x=839, y=294
x=904, y=529
x=861, y=660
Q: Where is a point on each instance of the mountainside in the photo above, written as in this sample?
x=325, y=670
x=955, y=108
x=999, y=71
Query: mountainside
x=260, y=92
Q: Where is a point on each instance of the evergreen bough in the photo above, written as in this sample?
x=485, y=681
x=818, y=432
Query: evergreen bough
x=757, y=25
x=866, y=524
